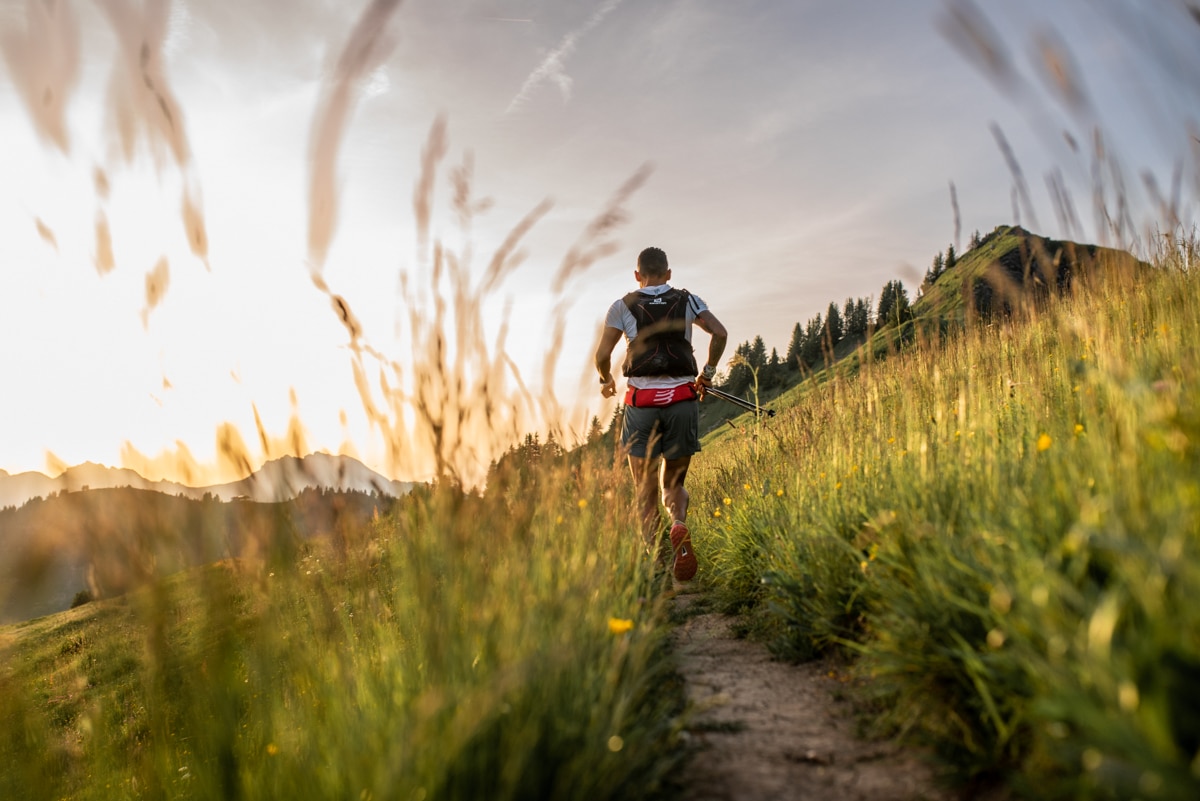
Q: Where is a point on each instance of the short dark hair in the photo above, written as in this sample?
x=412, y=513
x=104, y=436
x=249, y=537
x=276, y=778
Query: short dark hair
x=652, y=261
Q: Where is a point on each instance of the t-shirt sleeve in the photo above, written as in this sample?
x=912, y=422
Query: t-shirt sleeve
x=697, y=305
x=615, y=318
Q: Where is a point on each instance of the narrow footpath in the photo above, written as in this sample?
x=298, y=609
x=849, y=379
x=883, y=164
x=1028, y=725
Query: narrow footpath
x=768, y=730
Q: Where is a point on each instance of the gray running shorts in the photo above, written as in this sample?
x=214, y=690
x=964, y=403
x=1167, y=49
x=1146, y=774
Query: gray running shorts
x=671, y=431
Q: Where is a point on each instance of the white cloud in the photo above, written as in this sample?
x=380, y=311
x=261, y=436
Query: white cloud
x=178, y=28
x=553, y=66
x=377, y=83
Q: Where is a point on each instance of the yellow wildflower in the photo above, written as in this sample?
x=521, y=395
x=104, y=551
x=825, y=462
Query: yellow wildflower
x=728, y=501
x=1044, y=442
x=272, y=749
x=1078, y=429
x=583, y=503
x=618, y=625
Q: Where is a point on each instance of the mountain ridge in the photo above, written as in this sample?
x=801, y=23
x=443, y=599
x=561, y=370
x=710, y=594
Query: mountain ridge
x=276, y=480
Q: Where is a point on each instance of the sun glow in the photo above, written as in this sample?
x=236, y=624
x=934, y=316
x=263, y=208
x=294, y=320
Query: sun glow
x=143, y=285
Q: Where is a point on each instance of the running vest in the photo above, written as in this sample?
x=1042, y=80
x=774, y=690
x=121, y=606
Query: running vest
x=661, y=347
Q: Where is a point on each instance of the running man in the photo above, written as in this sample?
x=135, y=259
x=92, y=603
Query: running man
x=661, y=425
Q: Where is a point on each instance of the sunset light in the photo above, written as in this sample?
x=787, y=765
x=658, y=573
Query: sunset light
x=195, y=196
x=443, y=400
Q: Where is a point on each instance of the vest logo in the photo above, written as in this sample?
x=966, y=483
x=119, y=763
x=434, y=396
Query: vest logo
x=657, y=302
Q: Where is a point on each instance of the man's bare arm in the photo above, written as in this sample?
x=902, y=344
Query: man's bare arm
x=608, y=340
x=709, y=323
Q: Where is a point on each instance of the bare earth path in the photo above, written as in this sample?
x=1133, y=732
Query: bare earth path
x=770, y=730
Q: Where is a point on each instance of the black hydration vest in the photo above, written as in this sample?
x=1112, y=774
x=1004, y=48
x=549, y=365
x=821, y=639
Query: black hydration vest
x=661, y=347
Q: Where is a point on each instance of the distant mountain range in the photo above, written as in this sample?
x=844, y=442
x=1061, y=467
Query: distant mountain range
x=277, y=480
x=109, y=541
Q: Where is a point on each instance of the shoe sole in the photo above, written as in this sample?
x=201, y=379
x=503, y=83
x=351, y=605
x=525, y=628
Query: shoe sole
x=685, y=558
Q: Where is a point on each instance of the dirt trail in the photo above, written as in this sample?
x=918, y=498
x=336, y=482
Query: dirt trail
x=770, y=730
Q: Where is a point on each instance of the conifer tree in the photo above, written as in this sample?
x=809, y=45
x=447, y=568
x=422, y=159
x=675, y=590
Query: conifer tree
x=757, y=357
x=894, y=306
x=901, y=309
x=834, y=330
x=740, y=375
x=595, y=432
x=794, y=347
x=887, y=301
x=860, y=321
x=810, y=354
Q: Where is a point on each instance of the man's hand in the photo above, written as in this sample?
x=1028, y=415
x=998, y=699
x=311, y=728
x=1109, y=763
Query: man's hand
x=702, y=385
x=608, y=387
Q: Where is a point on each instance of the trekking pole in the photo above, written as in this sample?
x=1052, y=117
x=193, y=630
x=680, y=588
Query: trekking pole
x=736, y=401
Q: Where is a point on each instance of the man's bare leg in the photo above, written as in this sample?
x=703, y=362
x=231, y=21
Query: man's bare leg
x=645, y=480
x=676, y=499
x=674, y=496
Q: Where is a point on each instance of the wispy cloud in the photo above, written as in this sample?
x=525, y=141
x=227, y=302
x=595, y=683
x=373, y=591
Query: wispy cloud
x=553, y=66
x=369, y=45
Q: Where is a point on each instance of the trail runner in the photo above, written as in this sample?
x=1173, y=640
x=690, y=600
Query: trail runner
x=661, y=424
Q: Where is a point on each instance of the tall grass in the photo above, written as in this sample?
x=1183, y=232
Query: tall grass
x=465, y=646
x=462, y=648
x=1004, y=528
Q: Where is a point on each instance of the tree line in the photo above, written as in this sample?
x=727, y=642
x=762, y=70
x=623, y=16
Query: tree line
x=815, y=342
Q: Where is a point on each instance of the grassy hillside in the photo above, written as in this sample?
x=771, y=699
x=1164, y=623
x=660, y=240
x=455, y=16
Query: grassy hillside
x=456, y=648
x=1011, y=271
x=1015, y=266
x=1001, y=525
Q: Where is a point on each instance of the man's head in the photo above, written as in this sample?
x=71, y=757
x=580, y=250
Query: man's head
x=652, y=267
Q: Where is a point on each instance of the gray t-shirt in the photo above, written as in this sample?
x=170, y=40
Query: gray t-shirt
x=620, y=317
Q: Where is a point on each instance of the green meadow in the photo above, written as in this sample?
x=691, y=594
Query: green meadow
x=993, y=522
x=460, y=648
x=999, y=524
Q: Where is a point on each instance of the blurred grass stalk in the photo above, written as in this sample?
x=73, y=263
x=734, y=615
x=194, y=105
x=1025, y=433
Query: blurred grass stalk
x=507, y=645
x=1003, y=525
x=463, y=648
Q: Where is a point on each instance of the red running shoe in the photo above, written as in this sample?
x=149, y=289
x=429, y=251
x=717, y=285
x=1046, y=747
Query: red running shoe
x=685, y=557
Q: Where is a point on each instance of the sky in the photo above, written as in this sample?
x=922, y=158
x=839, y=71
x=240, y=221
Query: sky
x=233, y=231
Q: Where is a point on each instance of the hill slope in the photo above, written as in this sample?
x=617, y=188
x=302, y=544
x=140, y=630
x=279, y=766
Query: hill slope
x=1000, y=524
x=1011, y=270
x=1012, y=267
